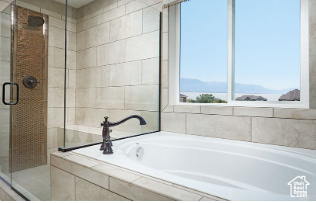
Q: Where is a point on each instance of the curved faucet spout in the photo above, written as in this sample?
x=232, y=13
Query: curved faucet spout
x=141, y=121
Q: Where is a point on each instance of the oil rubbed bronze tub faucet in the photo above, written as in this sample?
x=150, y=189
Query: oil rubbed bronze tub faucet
x=107, y=144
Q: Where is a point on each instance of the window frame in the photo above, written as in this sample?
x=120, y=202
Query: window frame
x=174, y=61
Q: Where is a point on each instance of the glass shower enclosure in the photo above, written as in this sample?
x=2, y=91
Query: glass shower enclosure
x=65, y=65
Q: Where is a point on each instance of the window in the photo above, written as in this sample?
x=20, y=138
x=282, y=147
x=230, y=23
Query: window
x=240, y=52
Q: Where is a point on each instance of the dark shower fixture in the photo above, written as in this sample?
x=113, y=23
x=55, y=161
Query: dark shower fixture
x=30, y=82
x=35, y=21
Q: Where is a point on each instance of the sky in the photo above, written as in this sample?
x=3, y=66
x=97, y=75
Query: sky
x=267, y=42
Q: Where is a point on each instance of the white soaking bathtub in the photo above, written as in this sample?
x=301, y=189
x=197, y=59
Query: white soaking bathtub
x=232, y=170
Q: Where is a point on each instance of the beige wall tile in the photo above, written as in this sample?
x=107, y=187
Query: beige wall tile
x=89, y=23
x=252, y=111
x=85, y=97
x=117, y=29
x=110, y=98
x=86, y=58
x=150, y=71
x=286, y=132
x=165, y=46
x=86, y=191
x=135, y=6
x=173, y=122
x=133, y=192
x=131, y=126
x=228, y=127
x=151, y=20
x=56, y=78
x=167, y=190
x=111, y=14
x=187, y=108
x=168, y=108
x=295, y=113
x=165, y=74
x=217, y=110
x=152, y=119
x=143, y=97
x=56, y=37
x=116, y=172
x=126, y=74
x=142, y=47
x=134, y=23
x=62, y=185
x=80, y=171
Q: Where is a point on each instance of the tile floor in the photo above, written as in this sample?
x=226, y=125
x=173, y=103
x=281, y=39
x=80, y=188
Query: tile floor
x=35, y=181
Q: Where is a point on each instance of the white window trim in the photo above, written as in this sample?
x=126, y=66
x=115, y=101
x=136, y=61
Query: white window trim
x=174, y=62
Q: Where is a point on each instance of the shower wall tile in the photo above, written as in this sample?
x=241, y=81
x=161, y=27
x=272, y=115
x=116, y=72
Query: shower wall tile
x=142, y=47
x=94, y=116
x=71, y=59
x=142, y=97
x=71, y=116
x=152, y=119
x=85, y=97
x=87, y=24
x=126, y=74
x=150, y=71
x=110, y=15
x=56, y=37
x=135, y=6
x=117, y=52
x=71, y=41
x=103, y=55
x=55, y=117
x=102, y=76
x=5, y=53
x=56, y=97
x=123, y=2
x=52, y=138
x=111, y=53
x=56, y=77
x=86, y=58
x=150, y=20
x=56, y=57
x=131, y=126
x=71, y=98
x=134, y=24
x=110, y=98
x=5, y=25
x=93, y=37
x=117, y=29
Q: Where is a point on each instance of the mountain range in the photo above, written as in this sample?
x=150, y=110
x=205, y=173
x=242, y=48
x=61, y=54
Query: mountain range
x=194, y=85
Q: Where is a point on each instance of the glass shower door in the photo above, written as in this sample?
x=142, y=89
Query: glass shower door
x=7, y=92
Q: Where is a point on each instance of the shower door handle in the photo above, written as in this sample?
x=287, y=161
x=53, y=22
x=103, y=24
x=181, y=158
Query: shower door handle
x=3, y=93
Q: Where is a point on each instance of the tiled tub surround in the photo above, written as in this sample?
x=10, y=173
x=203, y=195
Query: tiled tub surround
x=278, y=126
x=232, y=170
x=77, y=177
